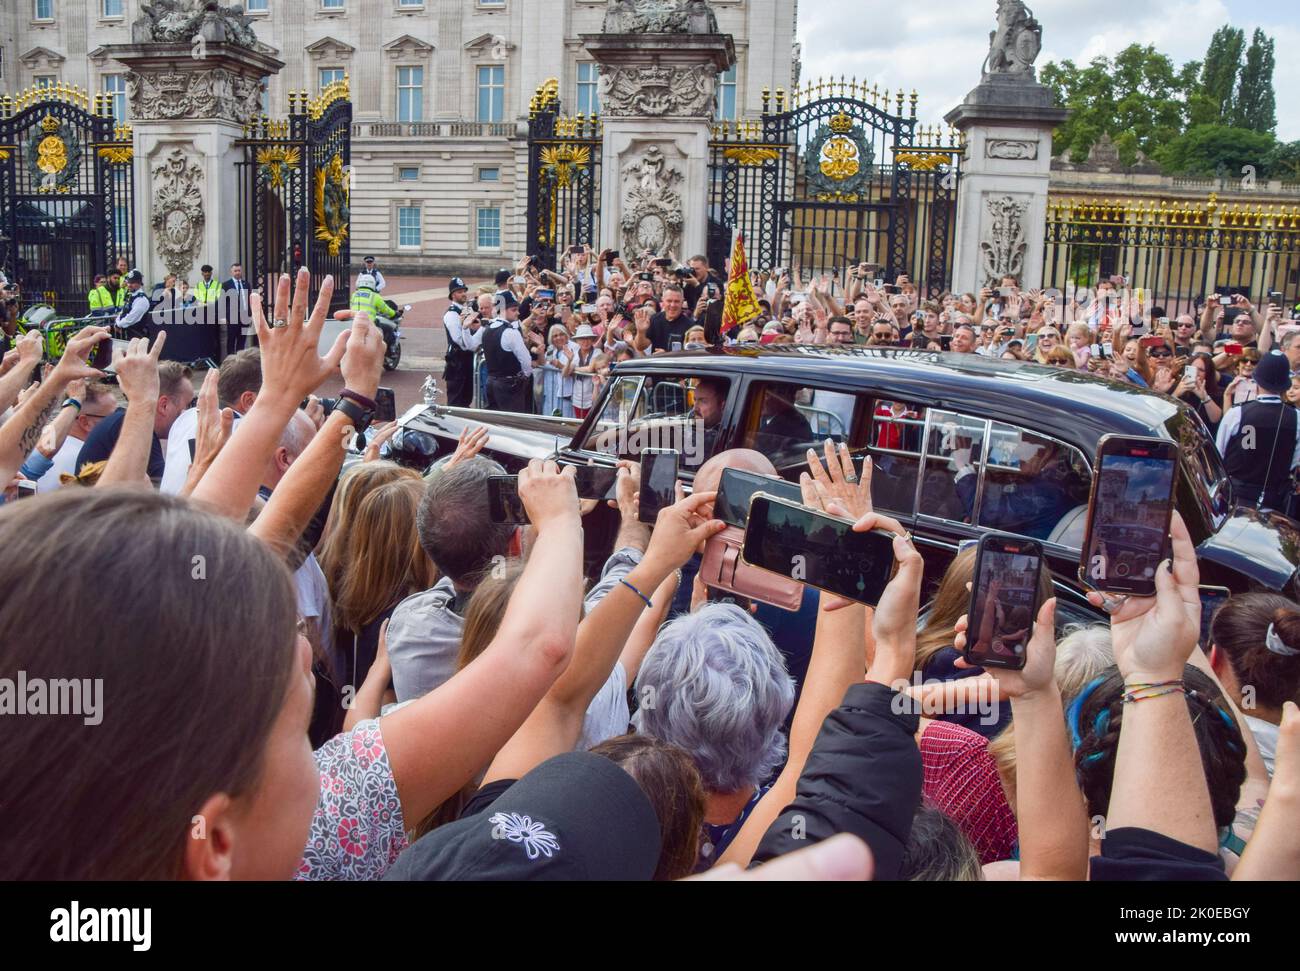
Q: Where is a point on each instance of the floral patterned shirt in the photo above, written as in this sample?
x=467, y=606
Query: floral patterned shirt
x=358, y=829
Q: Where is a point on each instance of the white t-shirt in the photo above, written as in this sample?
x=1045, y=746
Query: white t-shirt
x=65, y=460
x=183, y=431
x=1265, y=740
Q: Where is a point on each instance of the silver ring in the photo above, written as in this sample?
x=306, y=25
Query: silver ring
x=851, y=479
x=279, y=322
x=1113, y=605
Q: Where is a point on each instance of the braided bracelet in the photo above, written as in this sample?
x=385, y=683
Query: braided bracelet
x=1146, y=692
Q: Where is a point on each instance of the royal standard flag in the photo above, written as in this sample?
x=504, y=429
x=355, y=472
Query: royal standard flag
x=741, y=305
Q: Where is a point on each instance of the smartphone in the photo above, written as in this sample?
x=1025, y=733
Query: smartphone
x=646, y=277
x=1275, y=297
x=892, y=288
x=110, y=367
x=1004, y=600
x=663, y=261
x=519, y=280
x=1164, y=321
x=1233, y=350
x=544, y=295
x=26, y=488
x=613, y=254
x=504, y=504
x=1212, y=598
x=1191, y=373
x=1005, y=292
x=595, y=481
x=589, y=308
x=818, y=550
x=658, y=482
x=738, y=488
x=1127, y=532
x=1150, y=342
x=385, y=405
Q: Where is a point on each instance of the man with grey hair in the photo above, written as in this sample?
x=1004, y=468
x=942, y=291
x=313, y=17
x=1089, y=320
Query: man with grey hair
x=715, y=685
x=457, y=532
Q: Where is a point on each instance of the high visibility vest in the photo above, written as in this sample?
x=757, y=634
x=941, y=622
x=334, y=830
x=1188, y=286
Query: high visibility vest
x=100, y=298
x=207, y=292
x=372, y=303
x=119, y=299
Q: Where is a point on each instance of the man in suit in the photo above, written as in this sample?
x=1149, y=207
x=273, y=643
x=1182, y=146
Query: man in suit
x=238, y=317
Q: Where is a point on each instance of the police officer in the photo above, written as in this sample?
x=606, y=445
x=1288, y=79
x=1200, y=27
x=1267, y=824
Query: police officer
x=373, y=270
x=101, y=300
x=130, y=321
x=367, y=298
x=464, y=337
x=509, y=363
x=1260, y=440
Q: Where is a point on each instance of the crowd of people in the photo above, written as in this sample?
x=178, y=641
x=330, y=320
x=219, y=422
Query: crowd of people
x=319, y=664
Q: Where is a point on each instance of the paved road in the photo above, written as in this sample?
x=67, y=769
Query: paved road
x=424, y=341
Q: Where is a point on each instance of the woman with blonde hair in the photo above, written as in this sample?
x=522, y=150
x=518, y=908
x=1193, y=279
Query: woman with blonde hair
x=385, y=564
x=354, y=485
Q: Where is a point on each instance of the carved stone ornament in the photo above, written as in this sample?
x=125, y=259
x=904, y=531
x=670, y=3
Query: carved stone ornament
x=213, y=93
x=1002, y=251
x=181, y=21
x=660, y=17
x=1016, y=149
x=657, y=92
x=652, y=206
x=177, y=216
x=1016, y=43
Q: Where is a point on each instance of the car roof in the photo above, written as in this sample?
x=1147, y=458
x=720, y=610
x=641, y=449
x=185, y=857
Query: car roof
x=1071, y=405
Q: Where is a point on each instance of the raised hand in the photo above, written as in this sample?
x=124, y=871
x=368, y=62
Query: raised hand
x=136, y=367
x=291, y=365
x=469, y=444
x=549, y=495
x=837, y=480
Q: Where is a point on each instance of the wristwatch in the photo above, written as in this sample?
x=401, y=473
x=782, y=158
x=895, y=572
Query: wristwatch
x=357, y=407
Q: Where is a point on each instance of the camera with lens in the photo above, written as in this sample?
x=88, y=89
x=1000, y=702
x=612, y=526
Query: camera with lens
x=326, y=403
x=683, y=271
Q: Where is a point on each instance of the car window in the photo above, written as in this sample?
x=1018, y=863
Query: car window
x=783, y=421
x=679, y=412
x=953, y=448
x=897, y=428
x=1034, y=486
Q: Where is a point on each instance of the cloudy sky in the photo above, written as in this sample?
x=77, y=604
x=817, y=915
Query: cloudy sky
x=937, y=46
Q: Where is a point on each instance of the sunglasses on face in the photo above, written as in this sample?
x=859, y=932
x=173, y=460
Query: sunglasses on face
x=883, y=334
x=1160, y=352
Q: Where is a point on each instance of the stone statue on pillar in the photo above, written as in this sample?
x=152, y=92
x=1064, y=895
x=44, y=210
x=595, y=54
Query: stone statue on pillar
x=659, y=17
x=180, y=21
x=1016, y=43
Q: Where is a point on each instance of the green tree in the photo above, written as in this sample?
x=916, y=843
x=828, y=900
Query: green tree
x=1218, y=84
x=1137, y=99
x=1255, y=103
x=1217, y=150
x=1283, y=162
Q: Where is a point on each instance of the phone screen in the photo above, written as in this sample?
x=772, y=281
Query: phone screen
x=595, y=481
x=1128, y=518
x=504, y=504
x=1212, y=598
x=1004, y=601
x=658, y=482
x=26, y=489
x=737, y=488
x=385, y=405
x=818, y=550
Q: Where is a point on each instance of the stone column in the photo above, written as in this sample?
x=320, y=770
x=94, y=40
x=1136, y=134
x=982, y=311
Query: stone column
x=190, y=101
x=1008, y=121
x=659, y=69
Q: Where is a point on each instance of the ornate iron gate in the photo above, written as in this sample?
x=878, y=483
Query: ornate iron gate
x=295, y=187
x=66, y=193
x=832, y=176
x=563, y=178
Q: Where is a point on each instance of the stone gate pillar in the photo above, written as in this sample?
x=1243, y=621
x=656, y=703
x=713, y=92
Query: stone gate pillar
x=1008, y=121
x=659, y=65
x=195, y=81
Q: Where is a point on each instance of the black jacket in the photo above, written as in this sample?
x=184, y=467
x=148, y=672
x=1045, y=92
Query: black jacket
x=863, y=776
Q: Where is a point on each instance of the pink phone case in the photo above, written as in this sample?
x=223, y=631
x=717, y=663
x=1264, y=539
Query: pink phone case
x=723, y=569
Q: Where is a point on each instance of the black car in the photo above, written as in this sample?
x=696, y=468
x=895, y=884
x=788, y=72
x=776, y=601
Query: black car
x=961, y=444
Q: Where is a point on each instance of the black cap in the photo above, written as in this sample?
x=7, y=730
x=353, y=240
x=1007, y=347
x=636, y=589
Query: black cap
x=504, y=301
x=369, y=259
x=502, y=277
x=456, y=284
x=577, y=816
x=135, y=276
x=1273, y=372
